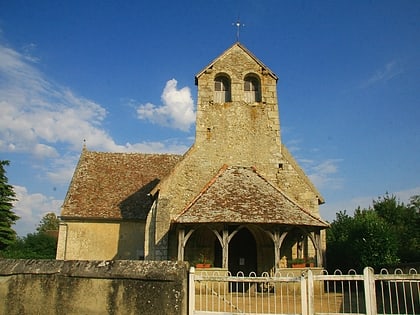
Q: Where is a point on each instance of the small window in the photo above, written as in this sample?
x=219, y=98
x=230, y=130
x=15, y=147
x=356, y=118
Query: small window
x=252, y=89
x=221, y=89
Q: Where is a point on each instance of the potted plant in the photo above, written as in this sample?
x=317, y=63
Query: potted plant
x=310, y=262
x=298, y=263
x=202, y=262
x=303, y=262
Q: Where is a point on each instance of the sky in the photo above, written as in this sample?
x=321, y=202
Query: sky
x=118, y=76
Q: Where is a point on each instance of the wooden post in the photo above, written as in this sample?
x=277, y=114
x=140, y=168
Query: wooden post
x=225, y=248
x=181, y=236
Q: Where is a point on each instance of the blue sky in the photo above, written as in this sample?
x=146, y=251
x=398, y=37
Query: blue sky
x=121, y=76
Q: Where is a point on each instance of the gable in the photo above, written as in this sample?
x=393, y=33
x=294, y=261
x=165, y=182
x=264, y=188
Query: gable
x=241, y=195
x=115, y=185
x=237, y=47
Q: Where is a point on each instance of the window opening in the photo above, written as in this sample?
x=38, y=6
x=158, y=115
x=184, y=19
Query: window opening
x=221, y=89
x=252, y=89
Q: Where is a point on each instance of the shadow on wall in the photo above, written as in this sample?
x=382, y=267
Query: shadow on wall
x=134, y=210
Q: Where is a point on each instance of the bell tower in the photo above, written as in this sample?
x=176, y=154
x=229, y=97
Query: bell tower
x=237, y=125
x=237, y=112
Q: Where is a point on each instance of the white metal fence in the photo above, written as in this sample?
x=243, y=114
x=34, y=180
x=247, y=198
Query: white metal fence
x=306, y=292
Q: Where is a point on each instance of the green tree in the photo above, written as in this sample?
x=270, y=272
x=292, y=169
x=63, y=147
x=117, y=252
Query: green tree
x=39, y=245
x=404, y=222
x=382, y=235
x=359, y=241
x=338, y=253
x=372, y=241
x=49, y=222
x=7, y=216
x=32, y=246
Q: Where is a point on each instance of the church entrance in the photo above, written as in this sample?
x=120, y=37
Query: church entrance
x=242, y=258
x=243, y=253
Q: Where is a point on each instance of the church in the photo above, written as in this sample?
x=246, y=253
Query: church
x=236, y=199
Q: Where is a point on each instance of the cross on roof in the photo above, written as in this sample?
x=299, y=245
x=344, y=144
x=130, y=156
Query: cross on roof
x=238, y=25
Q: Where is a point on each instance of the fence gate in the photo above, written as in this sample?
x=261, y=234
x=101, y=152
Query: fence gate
x=218, y=292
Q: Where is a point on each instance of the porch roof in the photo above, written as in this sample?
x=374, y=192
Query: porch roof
x=241, y=195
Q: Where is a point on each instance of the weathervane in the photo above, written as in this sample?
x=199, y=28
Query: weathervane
x=238, y=25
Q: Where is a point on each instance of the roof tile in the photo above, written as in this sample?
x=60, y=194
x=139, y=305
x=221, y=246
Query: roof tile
x=115, y=185
x=241, y=195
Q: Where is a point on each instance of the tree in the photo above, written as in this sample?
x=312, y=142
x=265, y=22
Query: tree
x=32, y=246
x=39, y=245
x=7, y=216
x=380, y=236
x=404, y=221
x=372, y=241
x=359, y=241
x=49, y=222
x=337, y=241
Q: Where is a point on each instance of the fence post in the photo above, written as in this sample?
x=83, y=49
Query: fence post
x=303, y=294
x=310, y=292
x=191, y=292
x=370, y=293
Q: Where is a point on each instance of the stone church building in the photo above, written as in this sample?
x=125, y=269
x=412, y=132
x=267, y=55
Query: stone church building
x=236, y=199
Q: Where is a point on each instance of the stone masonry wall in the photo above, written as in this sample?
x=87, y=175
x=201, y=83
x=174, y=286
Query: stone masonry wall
x=92, y=287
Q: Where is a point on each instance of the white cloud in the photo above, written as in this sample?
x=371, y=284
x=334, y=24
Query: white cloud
x=31, y=208
x=42, y=150
x=61, y=169
x=386, y=73
x=38, y=115
x=41, y=119
x=177, y=110
x=323, y=174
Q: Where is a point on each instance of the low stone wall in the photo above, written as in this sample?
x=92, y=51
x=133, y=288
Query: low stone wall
x=93, y=287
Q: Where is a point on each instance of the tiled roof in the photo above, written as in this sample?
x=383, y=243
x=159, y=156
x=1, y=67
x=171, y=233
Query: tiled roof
x=241, y=195
x=115, y=185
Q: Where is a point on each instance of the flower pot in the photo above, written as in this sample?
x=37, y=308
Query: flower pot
x=202, y=266
x=299, y=265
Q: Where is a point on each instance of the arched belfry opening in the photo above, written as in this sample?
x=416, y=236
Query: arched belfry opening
x=222, y=88
x=252, y=88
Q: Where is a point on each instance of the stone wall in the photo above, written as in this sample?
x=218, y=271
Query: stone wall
x=93, y=287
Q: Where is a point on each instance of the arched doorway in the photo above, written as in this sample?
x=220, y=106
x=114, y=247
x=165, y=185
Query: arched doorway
x=243, y=253
x=200, y=247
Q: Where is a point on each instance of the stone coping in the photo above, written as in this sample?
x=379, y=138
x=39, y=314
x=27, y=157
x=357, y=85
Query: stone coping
x=107, y=269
